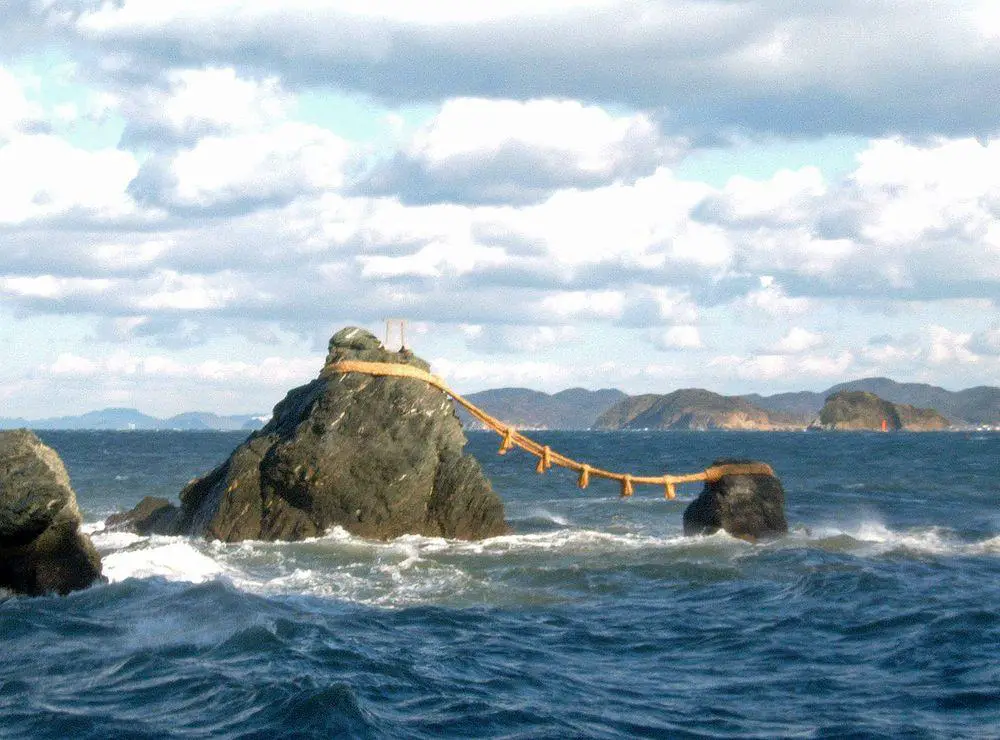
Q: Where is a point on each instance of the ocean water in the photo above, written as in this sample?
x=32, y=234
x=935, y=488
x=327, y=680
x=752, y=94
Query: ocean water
x=877, y=616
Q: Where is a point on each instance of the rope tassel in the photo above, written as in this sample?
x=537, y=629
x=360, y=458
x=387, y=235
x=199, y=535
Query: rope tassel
x=584, y=477
x=627, y=488
x=507, y=444
x=545, y=461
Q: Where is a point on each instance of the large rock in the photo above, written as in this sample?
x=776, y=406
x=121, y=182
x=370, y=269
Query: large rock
x=751, y=507
x=378, y=456
x=41, y=547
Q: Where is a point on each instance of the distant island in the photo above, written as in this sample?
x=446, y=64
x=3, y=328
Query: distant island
x=125, y=419
x=914, y=405
x=860, y=410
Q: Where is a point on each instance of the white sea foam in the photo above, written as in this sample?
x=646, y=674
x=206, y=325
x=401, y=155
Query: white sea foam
x=568, y=541
x=173, y=558
x=106, y=541
x=873, y=538
x=548, y=516
x=415, y=569
x=990, y=546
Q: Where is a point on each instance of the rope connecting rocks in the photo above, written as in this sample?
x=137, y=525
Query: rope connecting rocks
x=547, y=457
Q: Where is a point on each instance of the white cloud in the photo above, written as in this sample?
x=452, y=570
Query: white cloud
x=772, y=300
x=520, y=339
x=917, y=192
x=645, y=225
x=912, y=221
x=433, y=260
x=276, y=371
x=506, y=151
x=187, y=104
x=44, y=176
x=797, y=341
x=789, y=197
x=16, y=112
x=802, y=369
x=262, y=167
x=52, y=288
x=949, y=347
x=566, y=305
x=70, y=364
x=215, y=99
x=485, y=374
x=679, y=337
x=986, y=342
x=174, y=292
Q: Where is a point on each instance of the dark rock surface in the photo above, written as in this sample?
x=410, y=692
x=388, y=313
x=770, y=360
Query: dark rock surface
x=41, y=547
x=751, y=507
x=378, y=456
x=150, y=516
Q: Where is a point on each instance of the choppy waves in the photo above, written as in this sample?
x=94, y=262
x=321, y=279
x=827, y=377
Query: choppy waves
x=878, y=615
x=415, y=570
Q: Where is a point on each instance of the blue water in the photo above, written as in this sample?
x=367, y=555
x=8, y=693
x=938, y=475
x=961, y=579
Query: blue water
x=878, y=616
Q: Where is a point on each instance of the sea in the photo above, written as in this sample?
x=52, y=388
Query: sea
x=878, y=615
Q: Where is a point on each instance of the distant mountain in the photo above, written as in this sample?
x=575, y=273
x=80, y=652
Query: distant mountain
x=575, y=408
x=979, y=405
x=692, y=408
x=803, y=404
x=860, y=410
x=120, y=419
x=203, y=420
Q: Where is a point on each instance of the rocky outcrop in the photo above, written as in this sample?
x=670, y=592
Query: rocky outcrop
x=41, y=547
x=692, y=409
x=378, y=456
x=860, y=410
x=751, y=507
x=151, y=515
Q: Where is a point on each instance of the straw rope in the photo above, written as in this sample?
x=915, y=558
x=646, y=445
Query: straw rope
x=547, y=457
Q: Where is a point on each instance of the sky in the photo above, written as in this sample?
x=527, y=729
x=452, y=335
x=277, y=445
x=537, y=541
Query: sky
x=739, y=195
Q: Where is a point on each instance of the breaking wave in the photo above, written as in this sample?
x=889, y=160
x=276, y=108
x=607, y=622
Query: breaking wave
x=413, y=569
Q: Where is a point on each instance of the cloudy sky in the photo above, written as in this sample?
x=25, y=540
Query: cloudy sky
x=741, y=195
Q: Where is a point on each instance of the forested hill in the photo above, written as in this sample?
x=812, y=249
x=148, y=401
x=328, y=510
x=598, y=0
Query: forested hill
x=694, y=409
x=979, y=405
x=575, y=408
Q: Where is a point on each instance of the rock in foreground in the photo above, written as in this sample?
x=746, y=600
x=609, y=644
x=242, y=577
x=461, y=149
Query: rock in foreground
x=751, y=507
x=379, y=456
x=41, y=547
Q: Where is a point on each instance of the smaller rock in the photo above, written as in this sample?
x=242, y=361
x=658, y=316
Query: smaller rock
x=41, y=547
x=751, y=507
x=150, y=516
